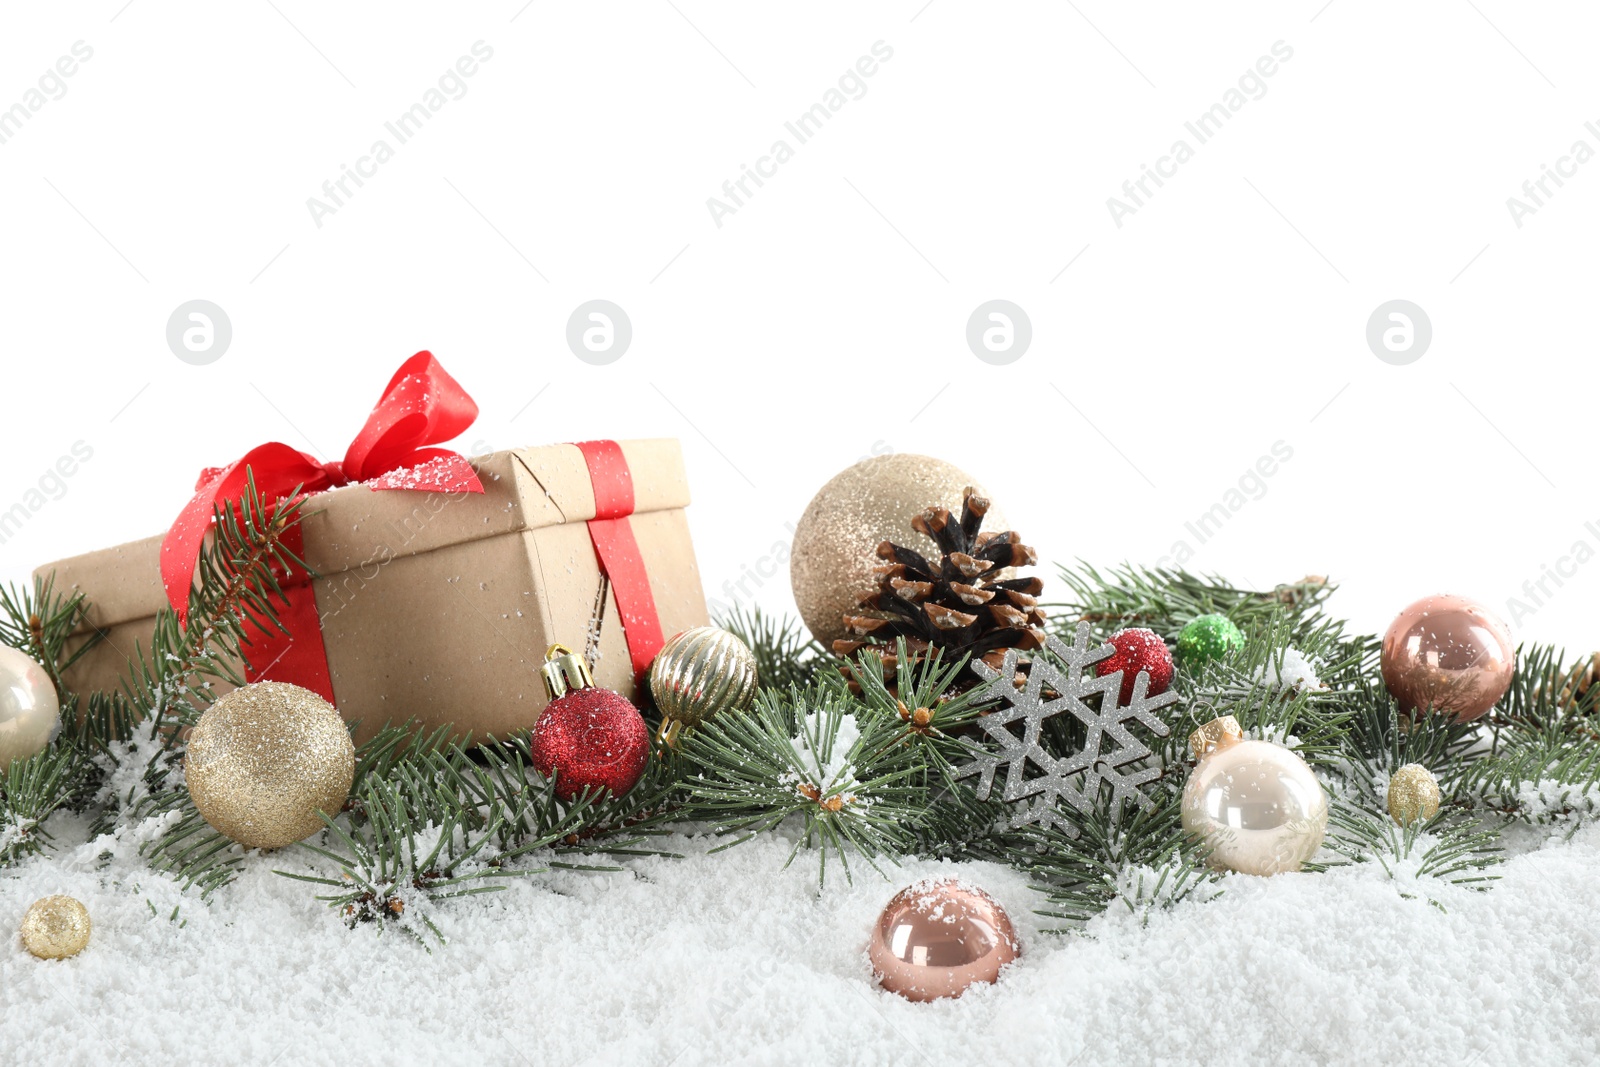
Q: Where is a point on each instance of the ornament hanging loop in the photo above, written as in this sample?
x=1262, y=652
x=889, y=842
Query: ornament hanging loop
x=667, y=733
x=564, y=669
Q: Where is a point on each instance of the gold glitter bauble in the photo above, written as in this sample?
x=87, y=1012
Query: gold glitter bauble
x=55, y=928
x=1413, y=794
x=30, y=711
x=836, y=541
x=265, y=759
x=699, y=673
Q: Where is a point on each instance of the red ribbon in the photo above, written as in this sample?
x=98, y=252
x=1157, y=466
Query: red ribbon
x=618, y=551
x=420, y=407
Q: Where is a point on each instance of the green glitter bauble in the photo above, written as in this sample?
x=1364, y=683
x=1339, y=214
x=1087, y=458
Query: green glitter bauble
x=1207, y=638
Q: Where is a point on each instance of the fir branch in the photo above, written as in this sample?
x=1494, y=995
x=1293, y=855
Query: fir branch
x=1164, y=599
x=936, y=714
x=1143, y=859
x=238, y=590
x=390, y=864
x=850, y=791
x=1449, y=847
x=31, y=790
x=1251, y=686
x=430, y=819
x=786, y=655
x=1378, y=741
x=52, y=629
x=40, y=622
x=1543, y=758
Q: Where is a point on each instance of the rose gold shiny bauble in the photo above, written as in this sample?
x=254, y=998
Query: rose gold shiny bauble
x=1448, y=654
x=938, y=937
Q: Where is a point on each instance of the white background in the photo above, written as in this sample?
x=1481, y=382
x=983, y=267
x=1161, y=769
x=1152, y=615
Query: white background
x=826, y=318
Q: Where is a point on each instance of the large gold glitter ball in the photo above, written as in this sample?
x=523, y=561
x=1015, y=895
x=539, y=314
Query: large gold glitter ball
x=55, y=928
x=700, y=673
x=1413, y=794
x=836, y=541
x=265, y=759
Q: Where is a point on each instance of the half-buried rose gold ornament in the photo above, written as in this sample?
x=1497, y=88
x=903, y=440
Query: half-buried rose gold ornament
x=937, y=938
x=1448, y=655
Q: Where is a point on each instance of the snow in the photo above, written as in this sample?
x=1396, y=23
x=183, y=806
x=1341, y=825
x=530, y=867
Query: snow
x=1295, y=672
x=729, y=958
x=835, y=771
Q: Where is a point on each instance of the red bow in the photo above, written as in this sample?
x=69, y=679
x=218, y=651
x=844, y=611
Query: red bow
x=421, y=406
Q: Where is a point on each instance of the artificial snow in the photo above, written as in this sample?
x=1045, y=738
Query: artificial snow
x=1296, y=671
x=731, y=959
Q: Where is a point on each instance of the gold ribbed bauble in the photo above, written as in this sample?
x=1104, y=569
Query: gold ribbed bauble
x=1413, y=794
x=1254, y=804
x=55, y=928
x=836, y=541
x=265, y=759
x=698, y=674
x=30, y=711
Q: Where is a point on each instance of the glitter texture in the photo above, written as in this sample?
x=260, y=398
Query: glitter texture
x=1207, y=638
x=265, y=759
x=1138, y=649
x=1112, y=753
x=590, y=738
x=834, y=556
x=55, y=928
x=1413, y=794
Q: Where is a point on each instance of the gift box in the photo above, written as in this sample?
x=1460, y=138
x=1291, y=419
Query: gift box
x=438, y=604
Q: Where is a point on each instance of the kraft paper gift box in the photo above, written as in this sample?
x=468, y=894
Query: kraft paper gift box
x=439, y=606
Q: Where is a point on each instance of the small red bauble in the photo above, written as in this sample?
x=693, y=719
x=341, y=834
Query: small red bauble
x=590, y=738
x=1138, y=650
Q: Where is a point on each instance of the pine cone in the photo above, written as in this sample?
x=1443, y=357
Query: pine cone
x=1576, y=683
x=1294, y=593
x=959, y=606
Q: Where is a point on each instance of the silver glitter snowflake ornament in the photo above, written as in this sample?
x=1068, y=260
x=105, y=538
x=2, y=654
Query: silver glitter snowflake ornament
x=1111, y=753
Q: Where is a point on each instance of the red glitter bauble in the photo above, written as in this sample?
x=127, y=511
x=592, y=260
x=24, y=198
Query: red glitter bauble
x=590, y=738
x=1138, y=650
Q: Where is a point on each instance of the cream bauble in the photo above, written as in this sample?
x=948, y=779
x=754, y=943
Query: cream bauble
x=1256, y=805
x=30, y=711
x=836, y=540
x=263, y=760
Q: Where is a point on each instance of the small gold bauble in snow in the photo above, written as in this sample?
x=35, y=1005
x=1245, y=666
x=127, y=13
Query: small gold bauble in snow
x=55, y=928
x=1413, y=794
x=265, y=759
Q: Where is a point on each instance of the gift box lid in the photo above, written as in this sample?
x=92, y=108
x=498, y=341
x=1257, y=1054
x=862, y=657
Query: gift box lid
x=355, y=526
